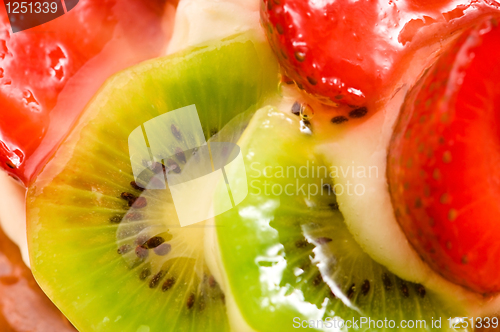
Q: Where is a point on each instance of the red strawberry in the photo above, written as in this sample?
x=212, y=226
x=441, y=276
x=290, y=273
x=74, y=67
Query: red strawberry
x=330, y=50
x=444, y=158
x=349, y=51
x=49, y=72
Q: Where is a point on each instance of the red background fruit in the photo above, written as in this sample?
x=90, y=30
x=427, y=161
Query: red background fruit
x=23, y=305
x=443, y=163
x=49, y=72
x=332, y=49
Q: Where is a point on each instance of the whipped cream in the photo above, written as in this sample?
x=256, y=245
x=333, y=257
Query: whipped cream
x=13, y=213
x=198, y=21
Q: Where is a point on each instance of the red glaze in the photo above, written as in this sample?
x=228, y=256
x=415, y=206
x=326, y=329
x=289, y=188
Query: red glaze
x=48, y=73
x=443, y=163
x=350, y=51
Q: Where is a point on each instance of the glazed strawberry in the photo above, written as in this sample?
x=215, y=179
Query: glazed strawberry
x=327, y=49
x=349, y=51
x=443, y=163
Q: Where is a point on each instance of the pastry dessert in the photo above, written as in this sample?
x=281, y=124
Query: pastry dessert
x=365, y=198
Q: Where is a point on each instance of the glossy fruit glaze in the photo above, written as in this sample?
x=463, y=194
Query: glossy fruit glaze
x=349, y=52
x=48, y=73
x=443, y=162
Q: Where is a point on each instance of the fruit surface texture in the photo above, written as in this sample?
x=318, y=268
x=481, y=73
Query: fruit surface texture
x=110, y=254
x=443, y=162
x=50, y=72
x=348, y=52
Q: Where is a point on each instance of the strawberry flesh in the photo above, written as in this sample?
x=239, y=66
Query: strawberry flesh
x=49, y=72
x=349, y=52
x=443, y=162
x=325, y=48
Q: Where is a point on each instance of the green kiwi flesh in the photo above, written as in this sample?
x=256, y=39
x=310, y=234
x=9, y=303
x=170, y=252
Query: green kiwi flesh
x=110, y=254
x=286, y=246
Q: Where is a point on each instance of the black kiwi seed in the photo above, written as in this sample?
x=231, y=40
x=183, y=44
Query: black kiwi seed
x=323, y=240
x=141, y=252
x=334, y=206
x=139, y=203
x=130, y=198
x=351, y=291
x=317, y=280
x=10, y=165
x=156, y=279
x=301, y=243
x=404, y=289
x=133, y=216
x=296, y=108
x=305, y=266
x=420, y=290
x=153, y=242
x=146, y=272
x=358, y=113
x=168, y=284
x=365, y=287
x=116, y=219
x=212, y=282
x=387, y=282
x=179, y=154
x=157, y=167
x=328, y=188
x=339, y=119
x=163, y=249
x=141, y=239
x=176, y=132
x=213, y=132
x=124, y=249
x=190, y=301
x=173, y=166
x=134, y=185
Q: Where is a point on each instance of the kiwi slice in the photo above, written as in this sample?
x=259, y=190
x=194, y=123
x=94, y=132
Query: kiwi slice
x=286, y=247
x=106, y=246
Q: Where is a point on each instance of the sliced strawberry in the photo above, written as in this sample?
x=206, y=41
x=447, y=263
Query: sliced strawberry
x=444, y=158
x=350, y=51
